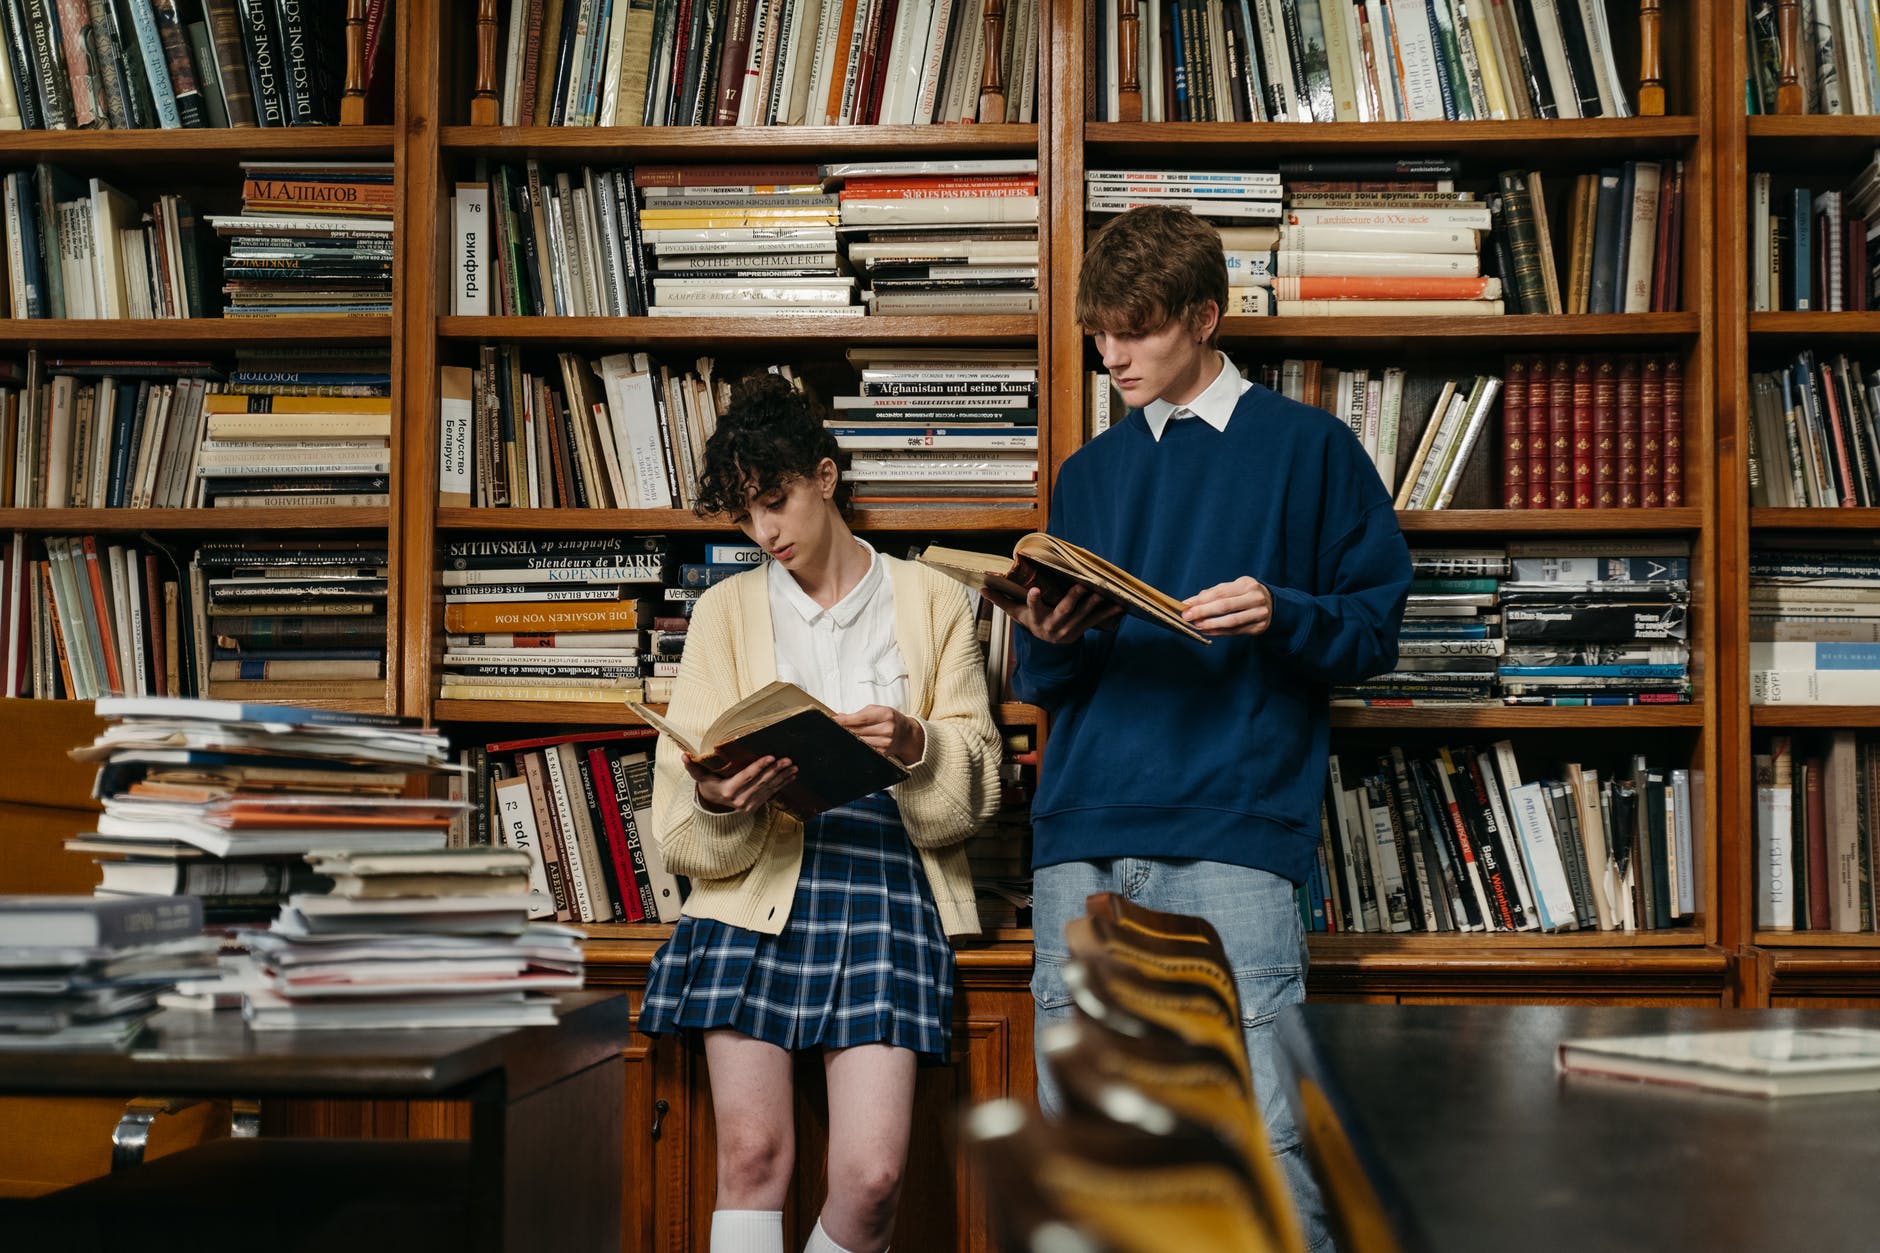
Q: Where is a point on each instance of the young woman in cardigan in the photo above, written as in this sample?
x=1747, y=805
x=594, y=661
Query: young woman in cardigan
x=829, y=934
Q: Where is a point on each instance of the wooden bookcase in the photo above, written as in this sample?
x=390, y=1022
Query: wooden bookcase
x=1717, y=958
x=1824, y=969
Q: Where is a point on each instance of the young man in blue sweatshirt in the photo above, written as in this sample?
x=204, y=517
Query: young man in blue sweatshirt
x=1188, y=776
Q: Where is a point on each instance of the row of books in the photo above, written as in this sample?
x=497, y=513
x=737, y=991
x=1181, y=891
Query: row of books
x=83, y=249
x=1456, y=840
x=1541, y=622
x=173, y=64
x=1809, y=250
x=742, y=240
x=1832, y=47
x=103, y=433
x=581, y=806
x=1814, y=623
x=1370, y=61
x=1813, y=440
x=1623, y=246
x=763, y=62
x=1815, y=831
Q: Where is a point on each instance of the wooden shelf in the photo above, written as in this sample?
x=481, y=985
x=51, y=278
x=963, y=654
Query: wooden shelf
x=556, y=713
x=1786, y=326
x=1814, y=715
x=590, y=521
x=1851, y=519
x=1426, y=336
x=168, y=147
x=782, y=334
x=1866, y=941
x=375, y=518
x=1516, y=717
x=815, y=145
x=206, y=334
x=1810, y=142
x=1572, y=141
x=1572, y=521
x=1678, y=946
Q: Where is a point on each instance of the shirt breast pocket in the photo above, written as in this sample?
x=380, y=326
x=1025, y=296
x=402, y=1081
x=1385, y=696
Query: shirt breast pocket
x=885, y=682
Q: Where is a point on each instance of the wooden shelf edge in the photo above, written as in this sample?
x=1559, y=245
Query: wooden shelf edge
x=1812, y=126
x=1820, y=948
x=199, y=142
x=1814, y=715
x=1516, y=717
x=1606, y=952
x=1528, y=330
x=1799, y=324
x=963, y=329
x=1850, y=519
x=1571, y=521
x=571, y=713
x=373, y=517
x=695, y=143
x=939, y=518
x=1369, y=134
x=207, y=333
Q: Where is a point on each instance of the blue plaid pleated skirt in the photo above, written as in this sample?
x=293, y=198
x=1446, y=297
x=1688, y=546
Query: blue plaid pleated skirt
x=863, y=958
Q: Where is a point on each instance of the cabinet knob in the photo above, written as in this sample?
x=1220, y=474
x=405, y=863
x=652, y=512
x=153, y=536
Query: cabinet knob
x=660, y=1110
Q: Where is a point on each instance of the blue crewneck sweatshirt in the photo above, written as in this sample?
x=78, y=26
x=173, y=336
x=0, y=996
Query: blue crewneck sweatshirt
x=1164, y=747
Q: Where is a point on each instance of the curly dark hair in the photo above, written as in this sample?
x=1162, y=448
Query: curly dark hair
x=768, y=435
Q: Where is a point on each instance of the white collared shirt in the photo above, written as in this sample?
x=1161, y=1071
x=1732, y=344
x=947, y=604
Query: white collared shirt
x=846, y=656
x=1213, y=406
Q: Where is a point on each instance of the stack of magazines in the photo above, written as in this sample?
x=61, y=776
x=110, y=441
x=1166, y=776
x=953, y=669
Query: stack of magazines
x=409, y=940
x=78, y=972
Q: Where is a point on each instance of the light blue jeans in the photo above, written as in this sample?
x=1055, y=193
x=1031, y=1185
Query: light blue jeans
x=1258, y=918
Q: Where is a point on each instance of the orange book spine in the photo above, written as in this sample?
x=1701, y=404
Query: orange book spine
x=1384, y=287
x=101, y=606
x=58, y=633
x=506, y=616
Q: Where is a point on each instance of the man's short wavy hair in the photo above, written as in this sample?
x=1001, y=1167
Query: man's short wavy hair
x=1147, y=266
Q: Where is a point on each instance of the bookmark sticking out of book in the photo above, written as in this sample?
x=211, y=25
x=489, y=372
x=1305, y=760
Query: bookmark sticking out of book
x=1053, y=565
x=833, y=765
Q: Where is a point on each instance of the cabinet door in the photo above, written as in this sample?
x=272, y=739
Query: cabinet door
x=654, y=1212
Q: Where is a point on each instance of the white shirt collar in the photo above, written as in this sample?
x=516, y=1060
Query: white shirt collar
x=783, y=585
x=1213, y=406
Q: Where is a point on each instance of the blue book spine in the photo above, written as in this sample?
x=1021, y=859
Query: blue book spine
x=1606, y=253
x=156, y=69
x=1183, y=111
x=1450, y=111
x=1628, y=185
x=1641, y=671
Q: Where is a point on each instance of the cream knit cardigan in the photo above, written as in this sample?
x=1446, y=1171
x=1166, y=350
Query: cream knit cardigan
x=744, y=867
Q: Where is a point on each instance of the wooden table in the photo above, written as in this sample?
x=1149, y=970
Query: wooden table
x=1457, y=1126
x=541, y=1170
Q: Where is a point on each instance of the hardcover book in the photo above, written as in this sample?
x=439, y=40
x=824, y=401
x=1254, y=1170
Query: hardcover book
x=1054, y=565
x=1774, y=1061
x=833, y=765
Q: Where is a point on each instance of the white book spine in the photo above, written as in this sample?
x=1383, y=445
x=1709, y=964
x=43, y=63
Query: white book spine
x=1534, y=824
x=516, y=815
x=470, y=212
x=1775, y=861
x=1553, y=51
x=1476, y=422
x=1643, y=240
x=1416, y=45
x=572, y=860
x=1521, y=872
x=609, y=111
x=1394, y=906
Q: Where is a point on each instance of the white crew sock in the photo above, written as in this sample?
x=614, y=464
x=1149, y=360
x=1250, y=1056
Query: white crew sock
x=747, y=1231
x=819, y=1242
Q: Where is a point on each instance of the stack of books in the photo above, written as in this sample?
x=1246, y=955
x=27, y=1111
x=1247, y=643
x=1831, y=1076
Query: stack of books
x=79, y=972
x=942, y=236
x=412, y=940
x=1450, y=640
x=1814, y=624
x=1597, y=622
x=745, y=208
x=314, y=238
x=81, y=248
x=548, y=619
x=291, y=619
x=933, y=428
x=584, y=804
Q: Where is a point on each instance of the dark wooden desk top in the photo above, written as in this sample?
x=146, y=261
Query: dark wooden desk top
x=192, y=1053
x=1475, y=1143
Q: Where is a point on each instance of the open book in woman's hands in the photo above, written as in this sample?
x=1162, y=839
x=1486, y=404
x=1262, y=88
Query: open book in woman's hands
x=1053, y=566
x=833, y=765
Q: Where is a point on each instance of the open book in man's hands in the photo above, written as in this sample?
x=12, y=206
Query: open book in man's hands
x=1052, y=565
x=833, y=765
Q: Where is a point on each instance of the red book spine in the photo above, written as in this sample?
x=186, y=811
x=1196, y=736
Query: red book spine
x=1539, y=493
x=614, y=832
x=1674, y=432
x=1651, y=433
x=1582, y=429
x=1837, y=428
x=101, y=605
x=1560, y=434
x=1628, y=429
x=1815, y=799
x=733, y=53
x=1514, y=401
x=1605, y=435
x=153, y=624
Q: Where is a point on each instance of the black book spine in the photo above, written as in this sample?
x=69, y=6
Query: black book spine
x=1585, y=84
x=1451, y=839
x=261, y=38
x=1502, y=899
x=297, y=55
x=48, y=65
x=1533, y=65
x=20, y=63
